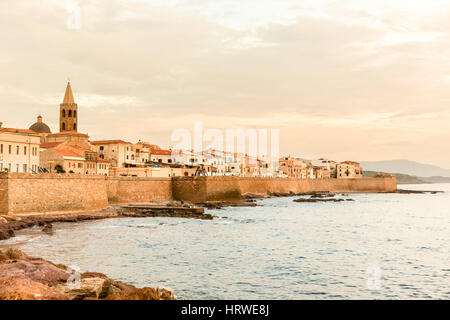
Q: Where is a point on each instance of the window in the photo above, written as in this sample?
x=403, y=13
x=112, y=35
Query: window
x=64, y=113
x=17, y=150
x=1, y=148
x=17, y=167
x=25, y=151
x=74, y=113
x=102, y=148
x=70, y=113
x=64, y=126
x=74, y=126
x=1, y=166
x=10, y=149
x=25, y=168
x=9, y=167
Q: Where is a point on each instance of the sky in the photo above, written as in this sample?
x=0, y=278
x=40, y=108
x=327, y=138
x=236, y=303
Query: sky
x=346, y=80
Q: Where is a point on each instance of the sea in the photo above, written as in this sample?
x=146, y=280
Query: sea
x=379, y=246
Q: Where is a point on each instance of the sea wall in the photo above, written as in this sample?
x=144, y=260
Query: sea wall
x=122, y=190
x=203, y=189
x=51, y=192
x=24, y=193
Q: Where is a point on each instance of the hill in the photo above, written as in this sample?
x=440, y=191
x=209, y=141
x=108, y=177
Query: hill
x=408, y=179
x=406, y=167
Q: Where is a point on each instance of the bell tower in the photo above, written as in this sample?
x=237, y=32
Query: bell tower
x=68, y=112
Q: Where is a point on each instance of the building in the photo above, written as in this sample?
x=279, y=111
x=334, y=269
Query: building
x=349, y=170
x=161, y=156
x=69, y=137
x=118, y=153
x=66, y=158
x=68, y=117
x=292, y=168
x=19, y=150
x=330, y=165
x=41, y=128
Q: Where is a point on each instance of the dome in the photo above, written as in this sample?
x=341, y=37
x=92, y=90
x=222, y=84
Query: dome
x=40, y=127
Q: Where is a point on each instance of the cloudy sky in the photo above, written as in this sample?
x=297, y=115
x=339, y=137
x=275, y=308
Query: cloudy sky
x=355, y=79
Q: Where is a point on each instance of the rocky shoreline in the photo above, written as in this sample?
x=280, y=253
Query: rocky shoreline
x=23, y=277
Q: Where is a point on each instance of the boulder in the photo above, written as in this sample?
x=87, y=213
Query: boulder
x=48, y=228
x=3, y=220
x=165, y=293
x=19, y=287
x=37, y=270
x=136, y=294
x=88, y=288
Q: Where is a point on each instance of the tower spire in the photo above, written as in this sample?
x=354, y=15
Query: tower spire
x=68, y=117
x=68, y=96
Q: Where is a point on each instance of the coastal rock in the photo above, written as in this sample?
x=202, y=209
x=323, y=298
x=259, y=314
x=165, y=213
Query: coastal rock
x=88, y=288
x=165, y=293
x=321, y=200
x=136, y=294
x=48, y=229
x=19, y=287
x=36, y=270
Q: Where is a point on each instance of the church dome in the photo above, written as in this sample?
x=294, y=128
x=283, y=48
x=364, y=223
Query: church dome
x=40, y=127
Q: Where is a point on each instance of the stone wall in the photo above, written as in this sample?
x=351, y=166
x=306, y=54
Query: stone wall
x=122, y=190
x=202, y=189
x=23, y=193
x=51, y=192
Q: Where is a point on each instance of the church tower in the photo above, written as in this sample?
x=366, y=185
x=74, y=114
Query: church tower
x=68, y=112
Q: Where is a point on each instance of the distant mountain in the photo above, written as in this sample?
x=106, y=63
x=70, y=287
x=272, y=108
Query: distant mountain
x=406, y=167
x=407, y=179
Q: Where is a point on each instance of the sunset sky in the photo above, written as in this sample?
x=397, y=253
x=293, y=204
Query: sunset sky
x=360, y=80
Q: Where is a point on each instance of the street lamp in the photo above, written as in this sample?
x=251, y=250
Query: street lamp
x=50, y=162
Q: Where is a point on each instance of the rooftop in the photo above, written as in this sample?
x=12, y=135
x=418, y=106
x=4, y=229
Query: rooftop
x=109, y=142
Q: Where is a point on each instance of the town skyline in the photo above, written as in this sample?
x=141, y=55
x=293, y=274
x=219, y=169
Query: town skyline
x=380, y=94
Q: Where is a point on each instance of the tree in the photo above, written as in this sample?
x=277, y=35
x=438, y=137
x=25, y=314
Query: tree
x=59, y=169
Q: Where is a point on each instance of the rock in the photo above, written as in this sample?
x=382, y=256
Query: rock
x=36, y=270
x=19, y=287
x=320, y=200
x=6, y=234
x=137, y=294
x=165, y=293
x=88, y=288
x=48, y=229
x=3, y=220
x=3, y=256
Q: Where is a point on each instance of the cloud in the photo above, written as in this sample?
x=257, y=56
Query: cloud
x=356, y=79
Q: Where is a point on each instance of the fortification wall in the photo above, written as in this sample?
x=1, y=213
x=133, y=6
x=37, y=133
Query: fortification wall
x=3, y=194
x=52, y=192
x=121, y=190
x=23, y=193
x=201, y=189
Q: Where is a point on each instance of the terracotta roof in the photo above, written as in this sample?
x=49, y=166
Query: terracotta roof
x=14, y=130
x=109, y=142
x=102, y=160
x=351, y=162
x=49, y=145
x=151, y=146
x=161, y=152
x=67, y=153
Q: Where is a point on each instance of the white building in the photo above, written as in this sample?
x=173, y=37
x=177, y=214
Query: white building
x=19, y=150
